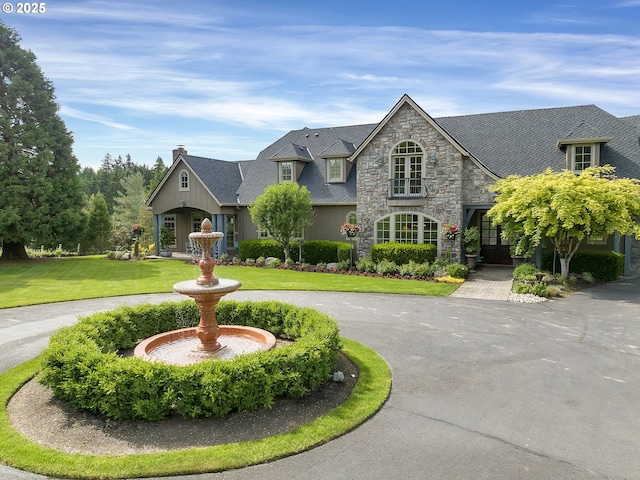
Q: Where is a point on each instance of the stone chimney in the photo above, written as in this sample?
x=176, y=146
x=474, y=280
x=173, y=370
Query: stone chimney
x=180, y=150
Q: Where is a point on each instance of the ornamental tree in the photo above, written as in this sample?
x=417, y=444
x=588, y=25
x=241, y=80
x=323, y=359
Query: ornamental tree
x=41, y=197
x=565, y=207
x=283, y=210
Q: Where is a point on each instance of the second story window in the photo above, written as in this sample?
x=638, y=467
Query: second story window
x=582, y=157
x=406, y=170
x=286, y=171
x=184, y=180
x=334, y=170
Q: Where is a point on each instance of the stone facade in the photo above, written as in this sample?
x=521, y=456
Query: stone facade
x=451, y=180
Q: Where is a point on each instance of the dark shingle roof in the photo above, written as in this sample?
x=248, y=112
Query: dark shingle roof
x=265, y=172
x=520, y=142
x=525, y=142
x=212, y=171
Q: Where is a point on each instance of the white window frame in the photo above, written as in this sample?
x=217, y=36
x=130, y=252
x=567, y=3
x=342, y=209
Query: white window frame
x=392, y=235
x=352, y=217
x=332, y=177
x=407, y=169
x=183, y=181
x=282, y=171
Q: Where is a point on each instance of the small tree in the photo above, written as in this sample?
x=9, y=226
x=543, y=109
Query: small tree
x=99, y=226
x=282, y=210
x=566, y=207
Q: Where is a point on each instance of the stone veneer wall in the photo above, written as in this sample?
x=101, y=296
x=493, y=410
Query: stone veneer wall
x=451, y=180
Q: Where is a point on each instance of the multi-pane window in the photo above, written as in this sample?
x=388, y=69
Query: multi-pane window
x=407, y=228
x=170, y=222
x=184, y=180
x=286, y=171
x=334, y=167
x=582, y=157
x=352, y=218
x=489, y=232
x=406, y=165
x=196, y=223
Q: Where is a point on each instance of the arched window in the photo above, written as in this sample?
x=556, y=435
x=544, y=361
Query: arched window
x=407, y=227
x=184, y=180
x=407, y=170
x=352, y=217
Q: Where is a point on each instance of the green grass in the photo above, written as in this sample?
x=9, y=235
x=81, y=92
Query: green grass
x=77, y=278
x=367, y=397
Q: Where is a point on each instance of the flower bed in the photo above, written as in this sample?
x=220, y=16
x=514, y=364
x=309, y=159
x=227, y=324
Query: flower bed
x=82, y=365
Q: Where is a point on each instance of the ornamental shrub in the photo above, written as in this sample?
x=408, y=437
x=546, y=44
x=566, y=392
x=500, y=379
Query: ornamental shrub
x=457, y=270
x=261, y=247
x=325, y=251
x=366, y=265
x=524, y=271
x=604, y=265
x=402, y=253
x=386, y=267
x=82, y=365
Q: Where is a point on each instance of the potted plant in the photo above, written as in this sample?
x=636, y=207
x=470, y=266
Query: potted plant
x=167, y=238
x=471, y=244
x=520, y=247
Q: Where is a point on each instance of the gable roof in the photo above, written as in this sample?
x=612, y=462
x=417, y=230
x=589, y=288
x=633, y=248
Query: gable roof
x=524, y=142
x=320, y=143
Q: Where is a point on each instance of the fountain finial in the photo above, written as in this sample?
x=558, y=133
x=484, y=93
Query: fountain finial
x=206, y=238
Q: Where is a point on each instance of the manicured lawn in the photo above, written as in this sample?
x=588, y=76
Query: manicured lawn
x=76, y=278
x=368, y=396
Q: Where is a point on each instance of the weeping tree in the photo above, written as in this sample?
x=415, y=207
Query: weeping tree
x=41, y=197
x=283, y=210
x=566, y=208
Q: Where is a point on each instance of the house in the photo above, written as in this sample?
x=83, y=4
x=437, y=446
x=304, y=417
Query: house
x=404, y=178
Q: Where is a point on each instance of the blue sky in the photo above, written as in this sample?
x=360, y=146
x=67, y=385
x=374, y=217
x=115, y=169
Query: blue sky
x=227, y=78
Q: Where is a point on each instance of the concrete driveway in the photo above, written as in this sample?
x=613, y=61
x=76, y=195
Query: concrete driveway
x=482, y=389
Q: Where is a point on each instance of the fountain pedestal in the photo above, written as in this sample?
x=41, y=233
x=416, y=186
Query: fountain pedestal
x=206, y=290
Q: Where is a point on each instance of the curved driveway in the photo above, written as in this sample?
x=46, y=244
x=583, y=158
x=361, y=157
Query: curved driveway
x=481, y=389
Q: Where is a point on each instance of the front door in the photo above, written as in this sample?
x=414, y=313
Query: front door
x=493, y=248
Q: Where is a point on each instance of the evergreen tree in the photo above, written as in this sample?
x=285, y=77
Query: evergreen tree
x=40, y=191
x=99, y=226
x=159, y=171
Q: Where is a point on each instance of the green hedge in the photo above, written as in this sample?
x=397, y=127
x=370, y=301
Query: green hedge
x=402, y=253
x=604, y=265
x=313, y=251
x=82, y=366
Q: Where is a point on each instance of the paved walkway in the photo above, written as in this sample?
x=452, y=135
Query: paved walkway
x=488, y=283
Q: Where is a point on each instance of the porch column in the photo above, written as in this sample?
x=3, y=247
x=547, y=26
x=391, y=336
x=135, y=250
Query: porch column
x=627, y=255
x=158, y=221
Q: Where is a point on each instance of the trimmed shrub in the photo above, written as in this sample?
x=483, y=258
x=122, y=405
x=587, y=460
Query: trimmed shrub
x=457, y=270
x=524, y=271
x=604, y=265
x=402, y=253
x=325, y=251
x=260, y=247
x=81, y=364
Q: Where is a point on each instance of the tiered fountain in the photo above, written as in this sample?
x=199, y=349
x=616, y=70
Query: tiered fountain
x=208, y=339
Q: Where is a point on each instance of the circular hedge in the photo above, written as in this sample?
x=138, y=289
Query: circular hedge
x=82, y=364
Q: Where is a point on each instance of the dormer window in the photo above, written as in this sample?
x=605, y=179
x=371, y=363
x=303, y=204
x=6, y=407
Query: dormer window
x=582, y=153
x=335, y=169
x=184, y=181
x=286, y=171
x=582, y=157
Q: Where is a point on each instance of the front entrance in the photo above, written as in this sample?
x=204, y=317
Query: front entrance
x=493, y=248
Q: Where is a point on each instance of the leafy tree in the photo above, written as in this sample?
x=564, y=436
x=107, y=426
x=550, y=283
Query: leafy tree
x=41, y=197
x=99, y=226
x=282, y=210
x=566, y=207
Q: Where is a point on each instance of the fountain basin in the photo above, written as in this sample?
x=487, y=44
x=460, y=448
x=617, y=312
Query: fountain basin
x=182, y=347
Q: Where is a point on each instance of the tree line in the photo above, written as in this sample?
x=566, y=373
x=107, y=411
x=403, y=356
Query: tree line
x=46, y=199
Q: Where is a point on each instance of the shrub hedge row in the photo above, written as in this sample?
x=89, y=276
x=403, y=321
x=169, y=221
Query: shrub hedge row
x=402, y=253
x=82, y=365
x=604, y=265
x=313, y=251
